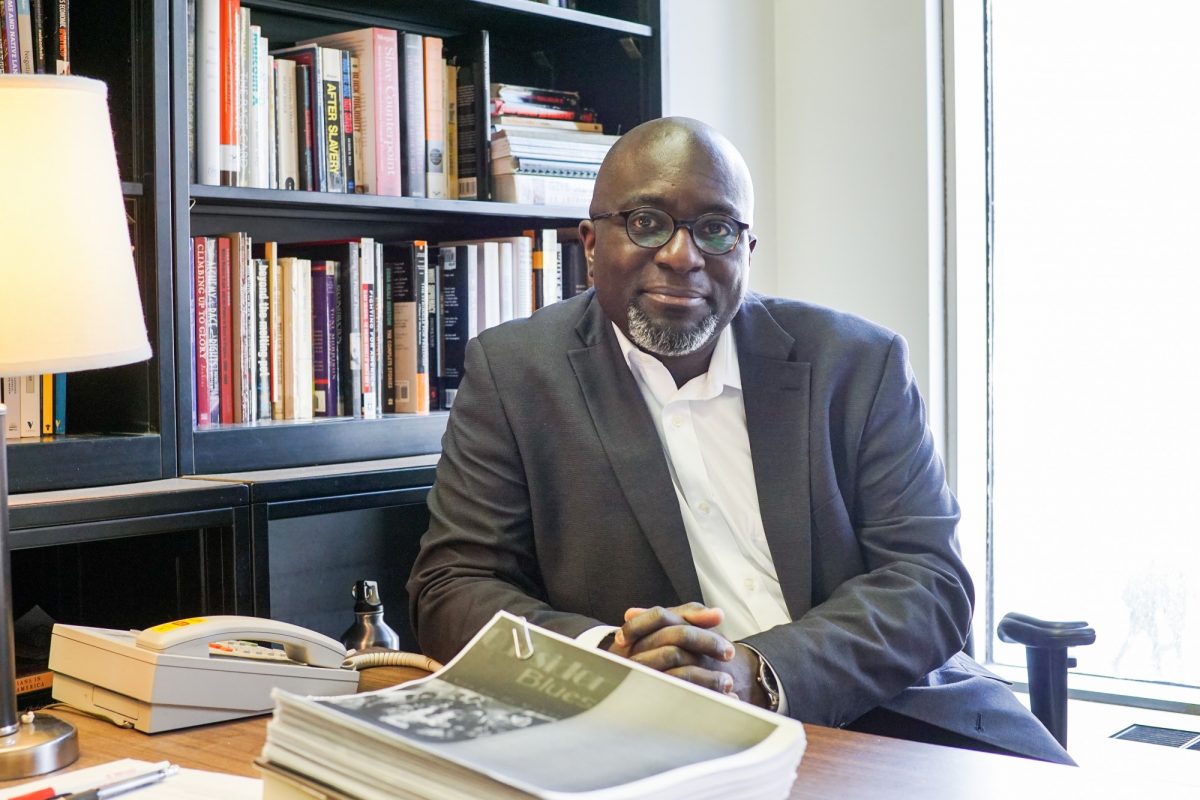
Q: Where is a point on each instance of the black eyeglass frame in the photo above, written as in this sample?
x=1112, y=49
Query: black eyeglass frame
x=742, y=227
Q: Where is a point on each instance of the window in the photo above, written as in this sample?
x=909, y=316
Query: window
x=1083, y=305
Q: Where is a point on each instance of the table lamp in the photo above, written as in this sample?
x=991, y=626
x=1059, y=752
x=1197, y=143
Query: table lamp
x=68, y=301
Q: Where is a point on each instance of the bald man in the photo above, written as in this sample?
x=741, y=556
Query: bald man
x=737, y=490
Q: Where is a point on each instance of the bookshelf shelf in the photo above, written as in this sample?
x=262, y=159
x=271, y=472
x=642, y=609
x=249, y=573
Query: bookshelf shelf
x=72, y=461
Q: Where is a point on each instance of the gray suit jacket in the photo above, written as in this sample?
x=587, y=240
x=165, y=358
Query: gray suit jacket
x=553, y=500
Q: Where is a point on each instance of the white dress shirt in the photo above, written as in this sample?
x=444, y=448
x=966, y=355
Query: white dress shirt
x=702, y=428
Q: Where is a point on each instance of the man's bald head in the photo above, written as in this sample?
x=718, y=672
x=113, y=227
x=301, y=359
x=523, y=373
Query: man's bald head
x=668, y=146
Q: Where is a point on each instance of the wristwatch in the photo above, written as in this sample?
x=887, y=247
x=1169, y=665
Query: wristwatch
x=767, y=681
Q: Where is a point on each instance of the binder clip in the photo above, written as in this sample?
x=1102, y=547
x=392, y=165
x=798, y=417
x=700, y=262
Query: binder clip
x=528, y=651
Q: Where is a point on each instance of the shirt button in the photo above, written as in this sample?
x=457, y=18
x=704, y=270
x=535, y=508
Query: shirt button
x=677, y=420
x=704, y=508
x=749, y=584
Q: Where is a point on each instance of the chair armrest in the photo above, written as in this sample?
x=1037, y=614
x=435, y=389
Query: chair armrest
x=1033, y=632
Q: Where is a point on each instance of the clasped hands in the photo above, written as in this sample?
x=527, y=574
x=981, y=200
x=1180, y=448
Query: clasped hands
x=680, y=641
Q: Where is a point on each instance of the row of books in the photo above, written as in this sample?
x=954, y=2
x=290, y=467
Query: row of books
x=36, y=405
x=357, y=328
x=34, y=37
x=372, y=110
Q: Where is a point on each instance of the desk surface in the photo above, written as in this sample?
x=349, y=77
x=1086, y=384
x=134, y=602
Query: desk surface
x=837, y=763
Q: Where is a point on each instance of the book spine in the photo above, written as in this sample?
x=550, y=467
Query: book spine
x=381, y=303
x=349, y=146
x=304, y=128
x=551, y=268
x=507, y=281
x=291, y=311
x=324, y=343
x=401, y=341
x=213, y=301
x=12, y=401
x=287, y=135
x=420, y=389
x=413, y=81
x=262, y=382
x=37, y=20
x=60, y=403
x=200, y=251
x=368, y=311
x=539, y=96
x=433, y=311
x=453, y=287
x=574, y=277
x=230, y=156
x=505, y=107
x=190, y=13
x=225, y=326
x=208, y=92
x=24, y=37
x=389, y=168
x=47, y=411
x=31, y=407
x=272, y=123
x=12, y=48
x=332, y=140
x=256, y=163
x=523, y=270
x=62, y=38
x=351, y=356
x=434, y=73
x=387, y=327
x=243, y=96
x=468, y=184
x=275, y=288
x=450, y=90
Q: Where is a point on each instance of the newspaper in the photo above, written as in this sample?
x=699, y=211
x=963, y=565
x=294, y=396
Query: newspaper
x=564, y=722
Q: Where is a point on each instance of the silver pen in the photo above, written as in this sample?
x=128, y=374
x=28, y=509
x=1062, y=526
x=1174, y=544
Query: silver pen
x=125, y=785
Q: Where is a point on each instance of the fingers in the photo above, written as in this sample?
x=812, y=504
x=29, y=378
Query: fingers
x=698, y=641
x=712, y=679
x=640, y=622
x=688, y=666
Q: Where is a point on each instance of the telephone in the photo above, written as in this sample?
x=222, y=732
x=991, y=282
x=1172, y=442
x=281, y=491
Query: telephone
x=192, y=671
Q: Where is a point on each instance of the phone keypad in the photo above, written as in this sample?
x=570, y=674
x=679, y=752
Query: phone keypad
x=234, y=648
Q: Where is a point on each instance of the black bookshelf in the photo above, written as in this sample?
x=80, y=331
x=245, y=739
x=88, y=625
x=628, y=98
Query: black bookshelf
x=609, y=51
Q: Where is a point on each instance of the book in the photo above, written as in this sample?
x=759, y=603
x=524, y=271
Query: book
x=24, y=29
x=504, y=107
x=368, y=310
x=242, y=72
x=412, y=79
x=324, y=337
x=471, y=53
x=296, y=274
x=557, y=98
x=275, y=356
x=230, y=155
x=457, y=274
x=433, y=308
x=543, y=190
x=263, y=330
x=31, y=406
x=11, y=397
x=574, y=268
x=549, y=718
x=331, y=123
x=525, y=165
x=60, y=403
x=37, y=20
x=408, y=262
x=510, y=121
x=243, y=335
x=287, y=125
x=351, y=356
x=47, y=414
x=435, y=75
x=225, y=349
x=200, y=326
x=207, y=110
x=258, y=171
x=305, y=146
x=349, y=145
x=213, y=319
x=450, y=92
x=12, y=49
x=377, y=114
x=61, y=35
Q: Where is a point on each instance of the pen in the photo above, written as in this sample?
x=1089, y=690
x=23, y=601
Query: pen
x=126, y=785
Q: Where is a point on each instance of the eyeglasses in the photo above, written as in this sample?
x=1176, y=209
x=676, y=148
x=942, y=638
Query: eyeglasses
x=714, y=234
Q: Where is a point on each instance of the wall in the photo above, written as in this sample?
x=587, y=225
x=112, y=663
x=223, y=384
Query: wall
x=829, y=101
x=719, y=67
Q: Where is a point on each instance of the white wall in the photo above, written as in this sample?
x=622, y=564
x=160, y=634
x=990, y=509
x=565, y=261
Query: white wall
x=828, y=101
x=719, y=67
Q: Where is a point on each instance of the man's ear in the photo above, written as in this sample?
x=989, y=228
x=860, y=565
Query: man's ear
x=753, y=241
x=587, y=235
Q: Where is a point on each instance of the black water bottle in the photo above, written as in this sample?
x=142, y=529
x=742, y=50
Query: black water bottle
x=369, y=629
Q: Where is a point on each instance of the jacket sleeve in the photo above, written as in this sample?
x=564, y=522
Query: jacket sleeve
x=880, y=631
x=479, y=554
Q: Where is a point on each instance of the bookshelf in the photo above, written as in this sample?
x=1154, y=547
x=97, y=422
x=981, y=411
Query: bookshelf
x=613, y=58
x=114, y=495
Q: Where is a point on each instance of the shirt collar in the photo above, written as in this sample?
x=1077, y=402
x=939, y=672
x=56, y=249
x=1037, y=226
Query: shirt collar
x=723, y=368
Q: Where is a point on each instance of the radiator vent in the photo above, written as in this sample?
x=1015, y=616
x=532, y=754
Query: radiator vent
x=1167, y=737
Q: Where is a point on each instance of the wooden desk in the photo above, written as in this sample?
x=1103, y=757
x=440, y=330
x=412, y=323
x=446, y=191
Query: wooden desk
x=837, y=764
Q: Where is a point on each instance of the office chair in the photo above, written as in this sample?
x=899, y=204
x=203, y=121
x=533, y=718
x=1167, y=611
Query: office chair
x=1046, y=646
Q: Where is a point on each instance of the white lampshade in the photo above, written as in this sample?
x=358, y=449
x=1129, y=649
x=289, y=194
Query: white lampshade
x=68, y=291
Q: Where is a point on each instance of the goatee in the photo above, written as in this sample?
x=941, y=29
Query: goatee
x=664, y=339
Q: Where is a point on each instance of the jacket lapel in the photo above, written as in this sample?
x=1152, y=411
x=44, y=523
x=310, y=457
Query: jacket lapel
x=775, y=392
x=631, y=442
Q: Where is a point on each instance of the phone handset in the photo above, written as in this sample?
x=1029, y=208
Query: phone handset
x=191, y=637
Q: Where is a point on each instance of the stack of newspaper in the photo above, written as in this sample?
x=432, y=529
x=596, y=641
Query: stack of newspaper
x=523, y=712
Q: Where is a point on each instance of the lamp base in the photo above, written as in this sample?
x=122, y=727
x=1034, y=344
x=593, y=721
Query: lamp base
x=40, y=746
